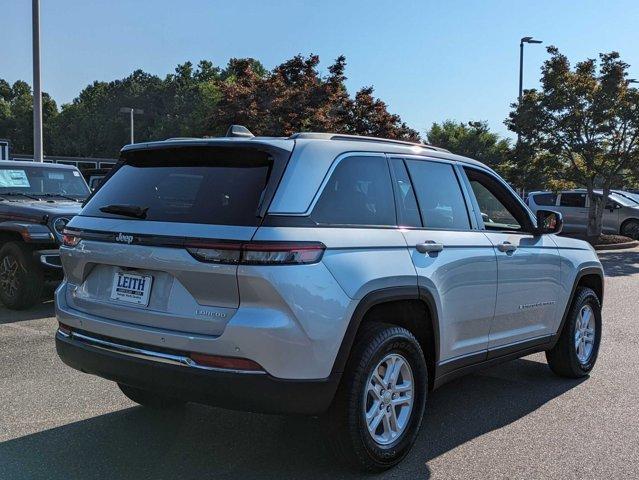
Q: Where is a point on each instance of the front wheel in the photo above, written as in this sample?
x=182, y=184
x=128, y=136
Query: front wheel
x=575, y=353
x=378, y=409
x=21, y=278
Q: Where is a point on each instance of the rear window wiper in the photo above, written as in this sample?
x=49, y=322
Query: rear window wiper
x=134, y=211
x=20, y=194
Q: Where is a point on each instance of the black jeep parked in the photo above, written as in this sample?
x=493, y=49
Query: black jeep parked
x=36, y=202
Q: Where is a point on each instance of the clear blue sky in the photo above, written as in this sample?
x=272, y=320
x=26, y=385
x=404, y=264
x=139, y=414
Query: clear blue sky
x=429, y=60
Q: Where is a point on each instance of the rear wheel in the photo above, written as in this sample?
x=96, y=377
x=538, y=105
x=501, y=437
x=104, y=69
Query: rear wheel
x=150, y=399
x=378, y=409
x=21, y=278
x=630, y=228
x=576, y=351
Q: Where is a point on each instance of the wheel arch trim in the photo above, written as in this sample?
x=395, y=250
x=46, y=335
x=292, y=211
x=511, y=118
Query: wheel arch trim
x=584, y=271
x=378, y=297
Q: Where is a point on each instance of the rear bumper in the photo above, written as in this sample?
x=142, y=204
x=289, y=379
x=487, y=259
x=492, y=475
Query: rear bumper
x=255, y=392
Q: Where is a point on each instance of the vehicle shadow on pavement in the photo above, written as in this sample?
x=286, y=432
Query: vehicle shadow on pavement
x=619, y=263
x=202, y=442
x=41, y=310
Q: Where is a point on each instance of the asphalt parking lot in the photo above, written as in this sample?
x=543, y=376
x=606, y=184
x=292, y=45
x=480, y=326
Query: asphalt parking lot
x=516, y=420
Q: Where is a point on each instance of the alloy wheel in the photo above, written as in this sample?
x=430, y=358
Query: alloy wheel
x=388, y=399
x=585, y=334
x=9, y=281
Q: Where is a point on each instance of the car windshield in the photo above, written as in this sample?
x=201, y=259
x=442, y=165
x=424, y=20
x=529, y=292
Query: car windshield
x=42, y=181
x=626, y=199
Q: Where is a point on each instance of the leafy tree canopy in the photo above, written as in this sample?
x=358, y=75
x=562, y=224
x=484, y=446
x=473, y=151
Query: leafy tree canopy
x=471, y=139
x=583, y=124
x=200, y=100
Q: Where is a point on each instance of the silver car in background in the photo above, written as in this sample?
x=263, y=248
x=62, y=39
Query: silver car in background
x=318, y=274
x=620, y=217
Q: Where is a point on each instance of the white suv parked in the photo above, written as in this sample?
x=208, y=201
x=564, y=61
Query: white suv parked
x=318, y=274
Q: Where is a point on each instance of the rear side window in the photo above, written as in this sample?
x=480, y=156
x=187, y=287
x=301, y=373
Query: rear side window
x=359, y=192
x=407, y=210
x=545, y=199
x=219, y=186
x=439, y=195
x=577, y=200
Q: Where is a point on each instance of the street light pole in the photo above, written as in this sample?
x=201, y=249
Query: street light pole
x=131, y=112
x=37, y=88
x=521, y=63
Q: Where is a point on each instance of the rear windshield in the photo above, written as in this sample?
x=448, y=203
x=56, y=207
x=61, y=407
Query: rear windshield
x=220, y=186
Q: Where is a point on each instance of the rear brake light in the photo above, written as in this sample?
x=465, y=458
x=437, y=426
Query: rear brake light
x=258, y=253
x=228, y=363
x=69, y=239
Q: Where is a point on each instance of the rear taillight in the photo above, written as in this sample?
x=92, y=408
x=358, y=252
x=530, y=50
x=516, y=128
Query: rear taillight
x=69, y=239
x=258, y=253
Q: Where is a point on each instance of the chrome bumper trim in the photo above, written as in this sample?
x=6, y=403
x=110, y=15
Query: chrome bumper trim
x=150, y=355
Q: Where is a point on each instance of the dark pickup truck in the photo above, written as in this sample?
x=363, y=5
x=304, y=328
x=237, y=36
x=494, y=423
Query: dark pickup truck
x=36, y=202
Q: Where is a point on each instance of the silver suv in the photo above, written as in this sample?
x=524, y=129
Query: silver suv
x=318, y=274
x=620, y=216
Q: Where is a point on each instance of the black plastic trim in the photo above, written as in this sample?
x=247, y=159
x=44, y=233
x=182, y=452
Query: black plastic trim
x=580, y=274
x=377, y=297
x=236, y=391
x=469, y=364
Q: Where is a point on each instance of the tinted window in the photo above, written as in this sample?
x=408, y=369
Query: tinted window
x=200, y=185
x=439, y=195
x=405, y=196
x=358, y=192
x=545, y=199
x=573, y=200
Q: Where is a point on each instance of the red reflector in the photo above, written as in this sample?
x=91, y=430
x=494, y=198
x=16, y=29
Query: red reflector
x=63, y=328
x=229, y=363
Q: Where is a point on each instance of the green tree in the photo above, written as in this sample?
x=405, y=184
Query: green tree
x=583, y=124
x=472, y=139
x=16, y=117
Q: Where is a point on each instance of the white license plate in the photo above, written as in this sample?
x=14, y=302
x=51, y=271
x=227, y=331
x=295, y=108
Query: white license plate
x=131, y=288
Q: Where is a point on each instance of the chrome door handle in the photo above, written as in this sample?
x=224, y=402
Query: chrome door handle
x=506, y=247
x=429, y=247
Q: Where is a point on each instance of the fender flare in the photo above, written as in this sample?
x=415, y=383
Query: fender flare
x=30, y=232
x=580, y=274
x=377, y=297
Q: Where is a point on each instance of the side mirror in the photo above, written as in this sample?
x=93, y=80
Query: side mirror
x=549, y=222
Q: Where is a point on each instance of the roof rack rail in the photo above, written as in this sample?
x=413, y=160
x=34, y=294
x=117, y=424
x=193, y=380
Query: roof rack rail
x=359, y=138
x=181, y=138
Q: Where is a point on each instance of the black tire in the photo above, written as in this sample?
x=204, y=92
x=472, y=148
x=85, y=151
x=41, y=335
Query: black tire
x=630, y=228
x=562, y=358
x=150, y=399
x=345, y=420
x=21, y=278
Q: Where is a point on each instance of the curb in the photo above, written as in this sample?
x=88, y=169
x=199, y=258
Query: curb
x=617, y=246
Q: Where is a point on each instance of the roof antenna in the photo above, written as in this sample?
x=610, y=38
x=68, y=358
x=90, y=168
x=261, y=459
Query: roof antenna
x=239, y=131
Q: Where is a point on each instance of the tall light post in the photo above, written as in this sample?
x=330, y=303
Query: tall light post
x=37, y=88
x=131, y=112
x=521, y=61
